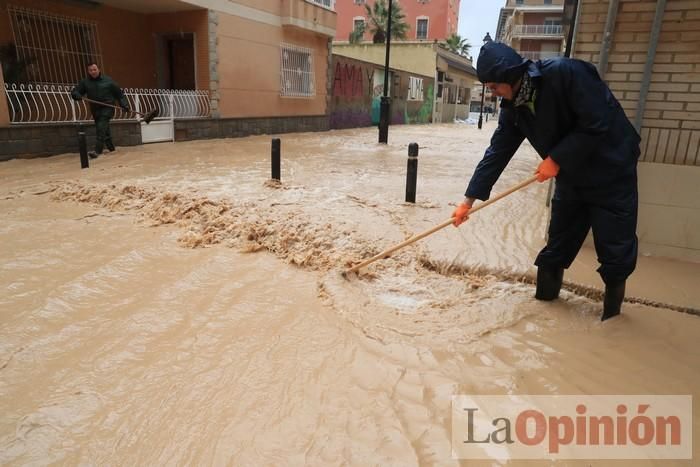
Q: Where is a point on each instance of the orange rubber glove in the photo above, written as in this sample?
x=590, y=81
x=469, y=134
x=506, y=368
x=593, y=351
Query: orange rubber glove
x=547, y=169
x=461, y=213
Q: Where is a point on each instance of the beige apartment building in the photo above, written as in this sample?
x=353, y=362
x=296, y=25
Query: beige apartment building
x=533, y=27
x=213, y=67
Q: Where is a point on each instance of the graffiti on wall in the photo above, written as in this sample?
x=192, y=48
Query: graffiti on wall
x=348, y=81
x=357, y=90
x=424, y=114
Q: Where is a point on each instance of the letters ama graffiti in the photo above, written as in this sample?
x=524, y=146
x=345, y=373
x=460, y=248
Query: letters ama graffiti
x=348, y=81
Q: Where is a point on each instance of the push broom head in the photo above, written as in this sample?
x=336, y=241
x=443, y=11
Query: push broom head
x=149, y=116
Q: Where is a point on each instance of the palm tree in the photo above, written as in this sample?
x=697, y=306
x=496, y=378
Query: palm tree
x=455, y=43
x=378, y=14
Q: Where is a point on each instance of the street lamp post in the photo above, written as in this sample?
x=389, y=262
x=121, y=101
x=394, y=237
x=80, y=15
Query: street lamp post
x=487, y=38
x=481, y=109
x=386, y=101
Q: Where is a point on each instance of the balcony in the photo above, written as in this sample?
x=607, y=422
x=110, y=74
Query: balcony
x=327, y=4
x=538, y=55
x=538, y=30
x=310, y=15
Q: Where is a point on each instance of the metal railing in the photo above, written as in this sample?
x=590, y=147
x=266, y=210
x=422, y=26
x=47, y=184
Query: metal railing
x=537, y=30
x=327, y=4
x=539, y=55
x=51, y=103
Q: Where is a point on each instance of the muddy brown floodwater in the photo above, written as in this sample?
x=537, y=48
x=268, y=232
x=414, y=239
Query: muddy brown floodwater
x=172, y=306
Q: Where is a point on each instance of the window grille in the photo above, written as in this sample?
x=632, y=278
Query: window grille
x=57, y=48
x=297, y=71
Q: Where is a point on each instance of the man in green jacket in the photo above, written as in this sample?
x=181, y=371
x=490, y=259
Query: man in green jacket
x=101, y=88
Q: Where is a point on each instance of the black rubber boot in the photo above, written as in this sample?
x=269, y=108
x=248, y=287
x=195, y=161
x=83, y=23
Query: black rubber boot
x=93, y=154
x=614, y=295
x=110, y=146
x=549, y=281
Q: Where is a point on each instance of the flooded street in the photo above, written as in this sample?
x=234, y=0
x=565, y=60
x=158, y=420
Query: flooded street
x=172, y=306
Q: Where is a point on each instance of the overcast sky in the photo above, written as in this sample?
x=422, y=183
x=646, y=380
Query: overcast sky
x=476, y=18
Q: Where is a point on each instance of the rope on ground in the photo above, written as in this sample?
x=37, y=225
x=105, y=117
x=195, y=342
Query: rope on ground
x=450, y=269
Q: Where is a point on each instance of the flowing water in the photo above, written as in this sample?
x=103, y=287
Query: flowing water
x=171, y=305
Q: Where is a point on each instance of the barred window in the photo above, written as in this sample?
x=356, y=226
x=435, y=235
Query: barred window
x=57, y=48
x=297, y=71
x=415, y=89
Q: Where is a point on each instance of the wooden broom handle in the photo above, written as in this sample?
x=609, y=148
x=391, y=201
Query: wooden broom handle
x=415, y=238
x=112, y=106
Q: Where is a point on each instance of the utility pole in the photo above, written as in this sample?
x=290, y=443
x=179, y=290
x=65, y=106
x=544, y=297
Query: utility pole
x=487, y=38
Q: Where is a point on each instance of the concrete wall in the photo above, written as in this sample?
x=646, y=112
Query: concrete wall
x=20, y=141
x=59, y=138
x=356, y=95
x=413, y=57
x=669, y=211
x=186, y=130
x=669, y=215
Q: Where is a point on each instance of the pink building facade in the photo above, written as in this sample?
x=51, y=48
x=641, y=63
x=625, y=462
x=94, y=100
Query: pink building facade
x=428, y=20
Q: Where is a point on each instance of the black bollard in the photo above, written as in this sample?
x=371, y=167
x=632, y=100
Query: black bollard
x=412, y=173
x=82, y=146
x=276, y=163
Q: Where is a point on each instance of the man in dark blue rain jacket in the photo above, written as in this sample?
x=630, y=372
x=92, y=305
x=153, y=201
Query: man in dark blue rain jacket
x=586, y=142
